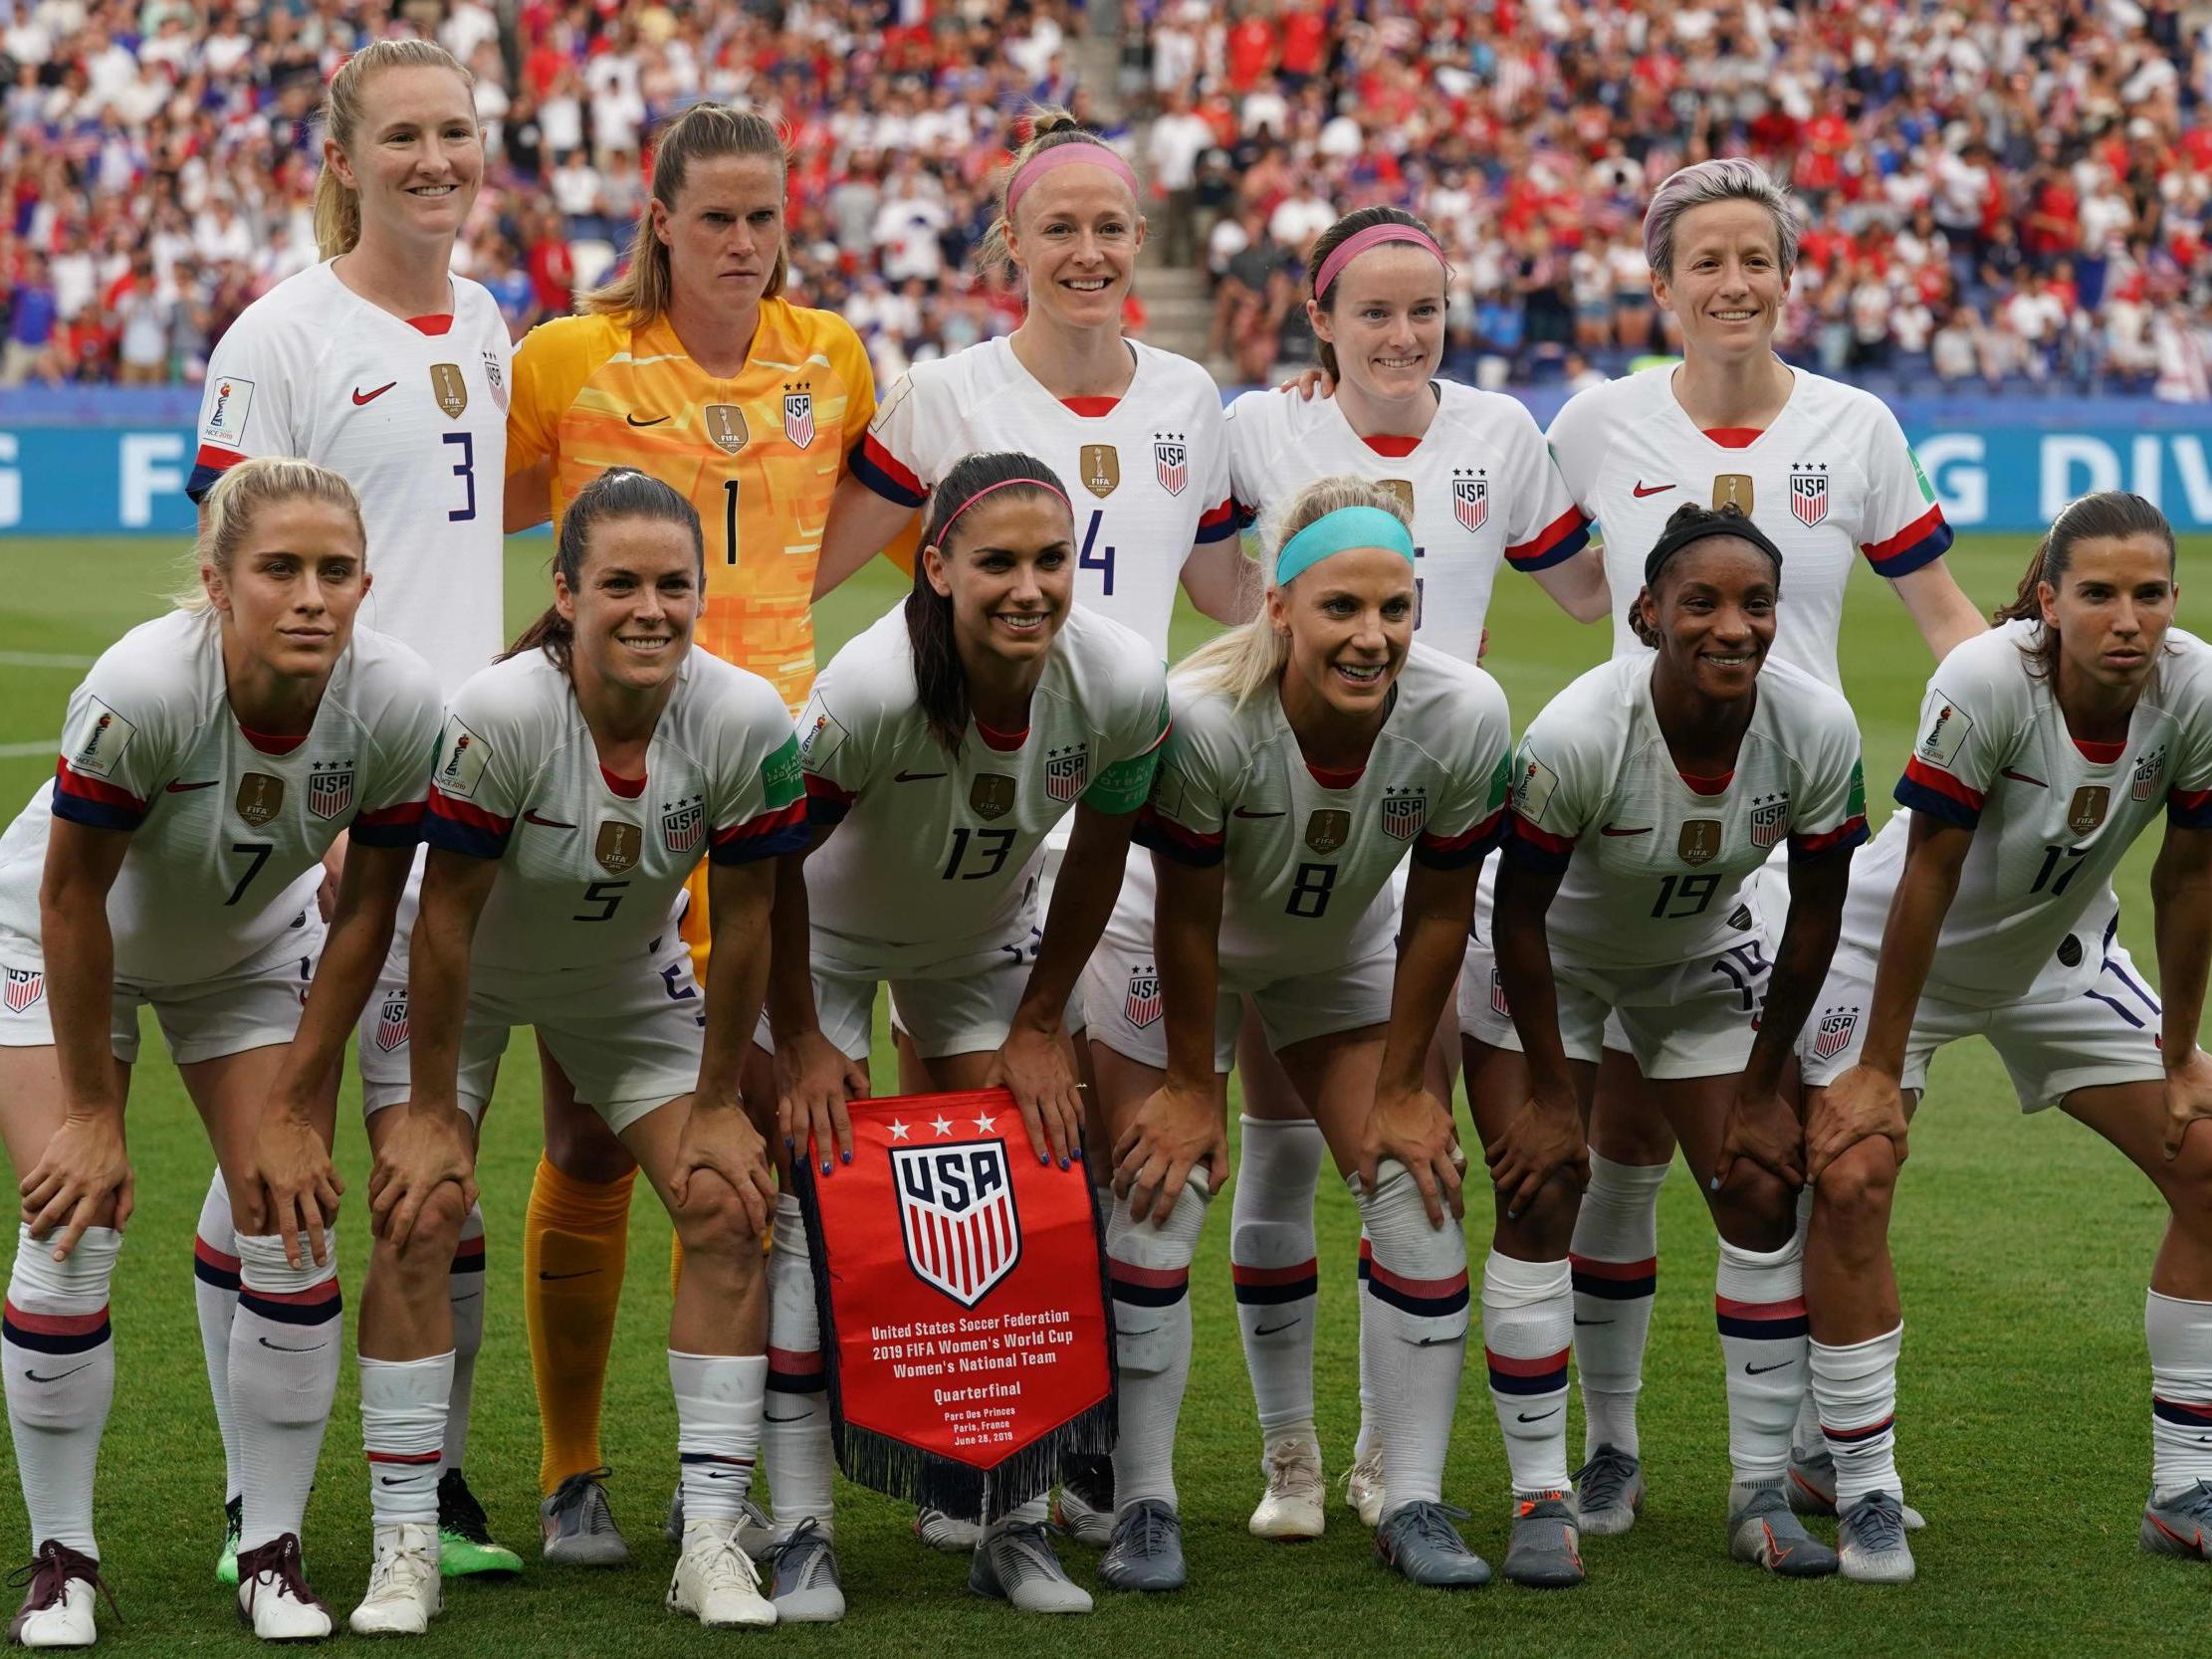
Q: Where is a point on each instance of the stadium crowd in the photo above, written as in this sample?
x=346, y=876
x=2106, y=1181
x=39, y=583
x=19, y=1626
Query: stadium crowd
x=2003, y=196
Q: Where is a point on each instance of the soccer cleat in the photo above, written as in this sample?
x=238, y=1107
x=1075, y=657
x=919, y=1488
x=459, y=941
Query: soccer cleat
x=1083, y=1508
x=405, y=1591
x=716, y=1581
x=1546, y=1549
x=1015, y=1564
x=56, y=1608
x=943, y=1531
x=1812, y=1487
x=465, y=1545
x=1147, y=1551
x=672, y=1529
x=1363, y=1488
x=1610, y=1492
x=272, y=1594
x=226, y=1563
x=756, y=1534
x=1420, y=1542
x=1870, y=1544
x=802, y=1577
x=1762, y=1531
x=1291, y=1509
x=576, y=1527
x=2180, y=1525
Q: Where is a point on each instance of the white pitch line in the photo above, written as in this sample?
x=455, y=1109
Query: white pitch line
x=21, y=751
x=41, y=659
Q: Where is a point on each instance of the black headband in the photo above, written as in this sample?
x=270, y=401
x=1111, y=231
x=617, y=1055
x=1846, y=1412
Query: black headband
x=1675, y=538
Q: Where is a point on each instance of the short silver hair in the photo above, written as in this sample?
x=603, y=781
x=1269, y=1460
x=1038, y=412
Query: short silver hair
x=1724, y=180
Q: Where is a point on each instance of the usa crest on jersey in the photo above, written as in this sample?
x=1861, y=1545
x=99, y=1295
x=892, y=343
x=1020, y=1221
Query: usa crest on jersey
x=798, y=415
x=330, y=788
x=1171, y=462
x=391, y=1021
x=1404, y=812
x=25, y=986
x=1145, y=1004
x=957, y=1217
x=683, y=823
x=1471, y=499
x=1067, y=771
x=2147, y=770
x=1833, y=1033
x=1809, y=493
x=1770, y=820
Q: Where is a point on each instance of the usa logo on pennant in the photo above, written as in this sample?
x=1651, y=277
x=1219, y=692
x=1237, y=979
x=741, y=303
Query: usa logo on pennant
x=1170, y=460
x=1471, y=499
x=1145, y=1004
x=1770, y=820
x=1404, y=813
x=391, y=1021
x=329, y=787
x=1833, y=1033
x=798, y=416
x=683, y=823
x=25, y=986
x=1067, y=771
x=1809, y=493
x=957, y=1217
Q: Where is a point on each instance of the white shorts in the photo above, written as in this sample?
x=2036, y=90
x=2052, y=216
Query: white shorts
x=965, y=1005
x=2072, y=1030
x=253, y=1005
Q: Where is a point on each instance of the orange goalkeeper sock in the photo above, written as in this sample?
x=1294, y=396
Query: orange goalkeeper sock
x=576, y=1243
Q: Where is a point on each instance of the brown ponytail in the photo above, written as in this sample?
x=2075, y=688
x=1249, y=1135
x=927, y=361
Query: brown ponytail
x=621, y=493
x=2108, y=512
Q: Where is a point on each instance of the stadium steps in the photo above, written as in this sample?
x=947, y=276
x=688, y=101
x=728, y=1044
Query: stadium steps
x=1178, y=309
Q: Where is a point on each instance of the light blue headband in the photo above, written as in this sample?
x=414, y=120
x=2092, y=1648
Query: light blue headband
x=1333, y=533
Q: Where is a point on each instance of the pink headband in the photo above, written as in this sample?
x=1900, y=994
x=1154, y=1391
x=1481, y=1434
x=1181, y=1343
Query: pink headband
x=1345, y=252
x=1087, y=153
x=1003, y=483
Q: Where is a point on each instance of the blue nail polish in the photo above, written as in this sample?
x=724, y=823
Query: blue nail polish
x=1077, y=1154
x=1044, y=1158
x=789, y=1143
x=846, y=1154
x=826, y=1167
x=1063, y=1164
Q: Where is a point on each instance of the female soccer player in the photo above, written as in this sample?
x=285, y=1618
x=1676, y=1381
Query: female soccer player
x=2046, y=748
x=576, y=785
x=941, y=747
x=383, y=366
x=1646, y=795
x=693, y=367
x=1311, y=750
x=208, y=761
x=1471, y=468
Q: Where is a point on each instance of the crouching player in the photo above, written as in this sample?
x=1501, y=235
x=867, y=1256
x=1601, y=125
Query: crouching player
x=2045, y=749
x=1646, y=797
x=208, y=761
x=578, y=781
x=1312, y=749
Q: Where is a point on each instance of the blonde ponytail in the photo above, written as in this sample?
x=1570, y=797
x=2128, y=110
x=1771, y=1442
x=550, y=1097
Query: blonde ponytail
x=239, y=498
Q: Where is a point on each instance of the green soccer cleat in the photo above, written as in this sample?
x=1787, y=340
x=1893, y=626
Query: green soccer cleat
x=466, y=1549
x=226, y=1563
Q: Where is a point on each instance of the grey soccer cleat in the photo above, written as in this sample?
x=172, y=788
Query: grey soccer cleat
x=1763, y=1532
x=1084, y=1505
x=1147, y=1549
x=2181, y=1525
x=1546, y=1549
x=947, y=1532
x=1871, y=1542
x=576, y=1527
x=1420, y=1542
x=1015, y=1564
x=1609, y=1491
x=1812, y=1487
x=803, y=1581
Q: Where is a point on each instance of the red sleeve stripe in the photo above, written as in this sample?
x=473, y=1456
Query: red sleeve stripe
x=1197, y=840
x=443, y=806
x=1218, y=522
x=2190, y=808
x=1847, y=834
x=398, y=816
x=92, y=790
x=1908, y=549
x=768, y=824
x=218, y=458
x=887, y=475
x=820, y=788
x=1476, y=832
x=1543, y=839
x=1942, y=783
x=1562, y=538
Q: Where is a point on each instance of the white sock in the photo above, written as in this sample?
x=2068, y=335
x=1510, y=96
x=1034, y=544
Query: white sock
x=1273, y=1262
x=1760, y=1304
x=1857, y=1391
x=1614, y=1257
x=1033, y=1513
x=1805, y=1436
x=285, y=1347
x=403, y=1431
x=1364, y=1445
x=2180, y=1337
x=59, y=1358
x=1149, y=1266
x=215, y=1295
x=718, y=1428
x=1416, y=1337
x=1528, y=1326
x=465, y=1294
x=794, y=1426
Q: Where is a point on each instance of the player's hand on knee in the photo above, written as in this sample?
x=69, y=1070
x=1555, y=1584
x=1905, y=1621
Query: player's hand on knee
x=1175, y=1129
x=1761, y=1127
x=1414, y=1128
x=2188, y=1098
x=1034, y=1066
x=428, y=1147
x=1861, y=1104
x=299, y=1184
x=813, y=1081
x=1541, y=1141
x=85, y=1164
x=720, y=1140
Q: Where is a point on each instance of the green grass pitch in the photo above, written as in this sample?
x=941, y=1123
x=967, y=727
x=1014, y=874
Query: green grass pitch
x=2023, y=1248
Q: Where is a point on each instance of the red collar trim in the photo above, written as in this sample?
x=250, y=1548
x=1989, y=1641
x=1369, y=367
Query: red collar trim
x=1392, y=445
x=1708, y=785
x=1331, y=778
x=432, y=325
x=1735, y=437
x=1006, y=742
x=1092, y=408
x=2100, y=754
x=629, y=789
x=271, y=743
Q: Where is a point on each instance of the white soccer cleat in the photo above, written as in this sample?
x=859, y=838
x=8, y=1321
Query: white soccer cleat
x=716, y=1581
x=948, y=1533
x=1015, y=1564
x=405, y=1591
x=272, y=1594
x=1291, y=1509
x=1363, y=1488
x=57, y=1609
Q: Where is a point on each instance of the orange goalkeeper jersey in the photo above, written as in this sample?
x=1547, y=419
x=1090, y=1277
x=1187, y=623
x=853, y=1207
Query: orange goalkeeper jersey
x=758, y=455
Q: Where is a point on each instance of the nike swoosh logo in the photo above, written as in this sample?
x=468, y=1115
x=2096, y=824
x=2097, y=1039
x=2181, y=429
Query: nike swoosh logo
x=1761, y=1370
x=1540, y=1416
x=585, y=1273
x=1145, y=1331
x=914, y=777
x=1642, y=488
x=546, y=823
x=35, y=1378
x=2022, y=778
x=1608, y=829
x=1582, y=1322
x=281, y=1349
x=1434, y=1342
x=471, y=1297
x=774, y=1418
x=1247, y=812
x=360, y=397
x=655, y=421
x=722, y=1474
x=187, y=789
x=398, y=1479
x=1271, y=1330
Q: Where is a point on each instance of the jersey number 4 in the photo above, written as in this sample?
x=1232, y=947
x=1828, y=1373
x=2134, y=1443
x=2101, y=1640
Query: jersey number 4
x=1095, y=558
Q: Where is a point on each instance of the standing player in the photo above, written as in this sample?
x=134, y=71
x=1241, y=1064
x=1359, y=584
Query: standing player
x=208, y=761
x=382, y=365
x=2046, y=748
x=1647, y=795
x=1826, y=472
x=1312, y=749
x=941, y=747
x=1471, y=466
x=576, y=783
x=692, y=367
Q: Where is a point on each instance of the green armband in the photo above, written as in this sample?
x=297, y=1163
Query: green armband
x=1123, y=786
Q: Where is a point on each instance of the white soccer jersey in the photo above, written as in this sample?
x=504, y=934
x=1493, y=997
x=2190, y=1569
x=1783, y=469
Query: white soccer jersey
x=2051, y=817
x=1309, y=853
x=413, y=414
x=937, y=854
x=593, y=862
x=1147, y=472
x=1656, y=861
x=228, y=827
x=1832, y=475
x=1478, y=481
